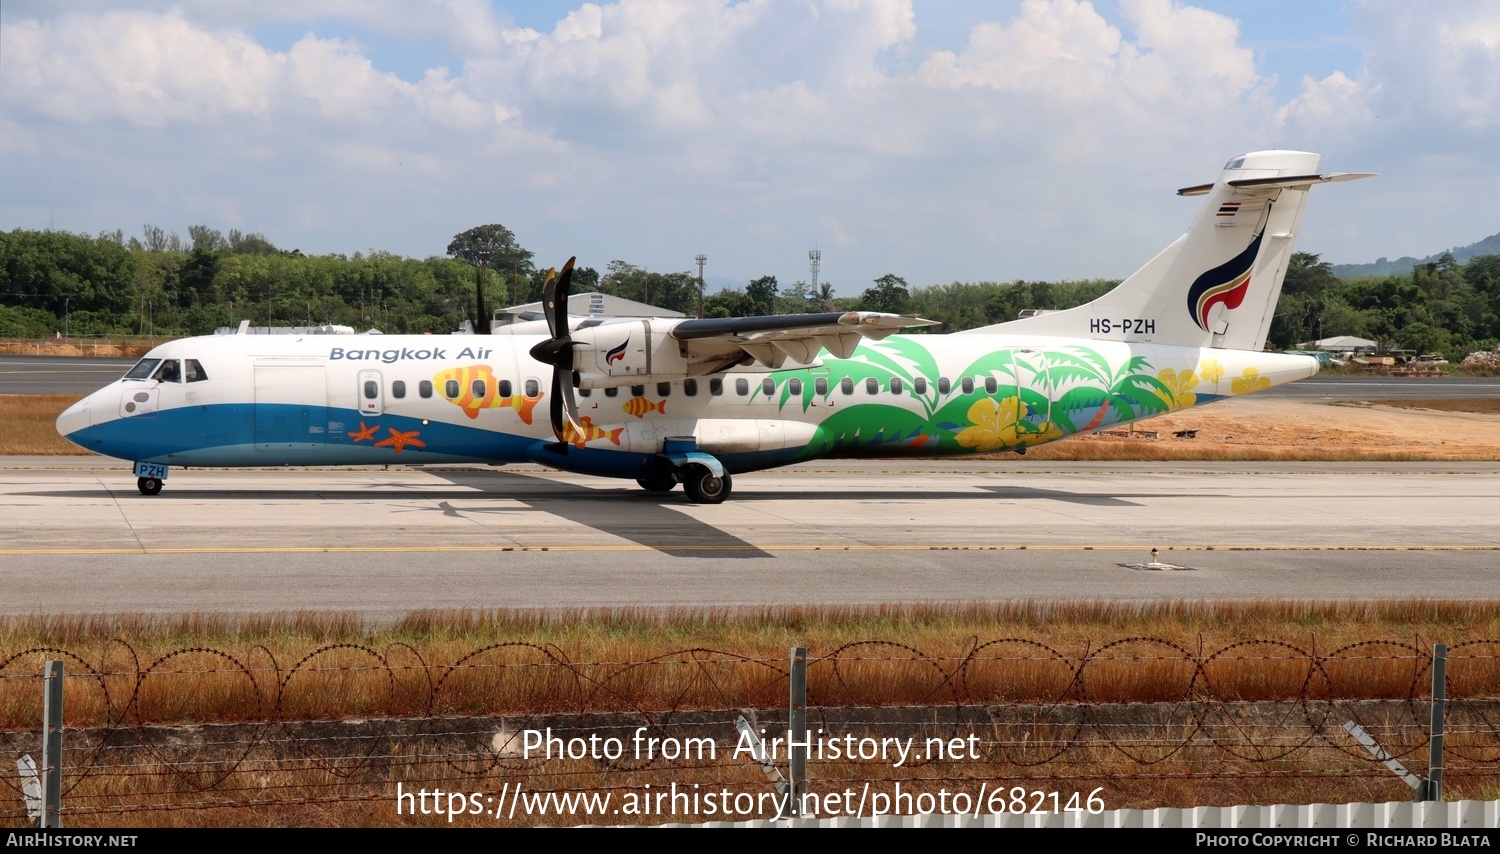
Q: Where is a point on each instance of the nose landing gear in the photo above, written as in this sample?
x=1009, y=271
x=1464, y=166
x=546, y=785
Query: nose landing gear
x=148, y=485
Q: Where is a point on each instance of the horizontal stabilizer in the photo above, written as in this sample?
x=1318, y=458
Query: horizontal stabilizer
x=1289, y=181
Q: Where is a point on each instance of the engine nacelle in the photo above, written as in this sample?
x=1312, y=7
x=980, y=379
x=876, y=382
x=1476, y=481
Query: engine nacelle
x=628, y=353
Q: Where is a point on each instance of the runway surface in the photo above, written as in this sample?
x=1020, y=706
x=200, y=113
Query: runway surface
x=79, y=537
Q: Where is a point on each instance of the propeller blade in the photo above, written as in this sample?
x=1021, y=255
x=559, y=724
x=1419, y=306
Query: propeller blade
x=557, y=304
x=557, y=351
x=549, y=302
x=558, y=412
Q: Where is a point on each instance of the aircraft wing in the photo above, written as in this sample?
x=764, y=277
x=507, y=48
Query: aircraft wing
x=776, y=340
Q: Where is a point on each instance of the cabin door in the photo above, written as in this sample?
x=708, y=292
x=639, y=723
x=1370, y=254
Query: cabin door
x=291, y=406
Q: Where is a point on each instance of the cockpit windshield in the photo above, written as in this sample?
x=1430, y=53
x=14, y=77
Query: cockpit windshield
x=142, y=369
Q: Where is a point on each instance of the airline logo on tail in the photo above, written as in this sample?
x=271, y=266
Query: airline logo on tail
x=1227, y=284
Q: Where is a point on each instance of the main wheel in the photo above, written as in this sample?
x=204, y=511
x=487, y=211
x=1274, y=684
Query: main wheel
x=704, y=487
x=656, y=484
x=148, y=485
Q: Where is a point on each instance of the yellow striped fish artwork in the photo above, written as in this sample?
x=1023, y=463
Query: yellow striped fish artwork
x=639, y=406
x=468, y=380
x=590, y=432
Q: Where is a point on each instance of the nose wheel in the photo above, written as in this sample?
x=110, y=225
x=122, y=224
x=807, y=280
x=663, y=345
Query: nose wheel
x=148, y=485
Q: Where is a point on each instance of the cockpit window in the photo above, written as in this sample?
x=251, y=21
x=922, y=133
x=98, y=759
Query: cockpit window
x=195, y=372
x=168, y=372
x=142, y=369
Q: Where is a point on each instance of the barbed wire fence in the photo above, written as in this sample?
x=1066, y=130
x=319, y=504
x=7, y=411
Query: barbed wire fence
x=198, y=734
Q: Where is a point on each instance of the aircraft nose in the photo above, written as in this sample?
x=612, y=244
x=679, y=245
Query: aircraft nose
x=74, y=418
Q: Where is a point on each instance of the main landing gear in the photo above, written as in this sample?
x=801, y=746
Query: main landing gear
x=148, y=485
x=703, y=486
x=657, y=484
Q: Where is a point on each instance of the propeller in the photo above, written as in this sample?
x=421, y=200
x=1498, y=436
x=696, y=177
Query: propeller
x=557, y=351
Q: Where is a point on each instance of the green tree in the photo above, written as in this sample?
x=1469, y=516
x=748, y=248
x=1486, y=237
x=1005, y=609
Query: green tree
x=761, y=294
x=890, y=294
x=500, y=242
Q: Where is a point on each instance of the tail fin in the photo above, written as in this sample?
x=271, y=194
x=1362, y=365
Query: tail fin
x=1217, y=285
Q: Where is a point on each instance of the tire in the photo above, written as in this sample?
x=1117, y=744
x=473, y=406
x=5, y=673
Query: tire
x=702, y=487
x=148, y=485
x=657, y=484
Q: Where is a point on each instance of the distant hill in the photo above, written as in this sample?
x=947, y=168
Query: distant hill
x=1383, y=267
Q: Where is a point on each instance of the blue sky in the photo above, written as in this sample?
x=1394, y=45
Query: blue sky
x=941, y=141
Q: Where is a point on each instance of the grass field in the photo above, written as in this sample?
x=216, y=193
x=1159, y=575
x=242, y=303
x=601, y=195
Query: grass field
x=1172, y=676
x=900, y=655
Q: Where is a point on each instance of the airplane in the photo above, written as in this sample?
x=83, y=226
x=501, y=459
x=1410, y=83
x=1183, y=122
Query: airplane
x=696, y=401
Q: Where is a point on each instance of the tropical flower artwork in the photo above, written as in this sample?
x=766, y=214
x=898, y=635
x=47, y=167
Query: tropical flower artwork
x=1010, y=399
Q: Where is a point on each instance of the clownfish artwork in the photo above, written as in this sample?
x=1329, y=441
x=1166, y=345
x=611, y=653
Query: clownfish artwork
x=473, y=388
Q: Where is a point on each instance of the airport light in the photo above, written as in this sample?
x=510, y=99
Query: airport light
x=701, y=259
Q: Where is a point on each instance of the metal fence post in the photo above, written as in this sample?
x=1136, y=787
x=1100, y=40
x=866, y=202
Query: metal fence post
x=1435, y=729
x=797, y=738
x=52, y=724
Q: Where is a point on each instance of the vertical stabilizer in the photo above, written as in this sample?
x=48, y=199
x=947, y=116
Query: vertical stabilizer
x=1217, y=285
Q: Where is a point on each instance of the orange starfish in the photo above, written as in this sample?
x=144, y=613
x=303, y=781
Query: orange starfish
x=364, y=432
x=399, y=440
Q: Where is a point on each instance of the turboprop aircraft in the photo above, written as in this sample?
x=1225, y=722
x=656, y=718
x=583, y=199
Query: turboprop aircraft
x=668, y=401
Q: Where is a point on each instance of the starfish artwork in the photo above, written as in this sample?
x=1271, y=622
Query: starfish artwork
x=399, y=440
x=364, y=433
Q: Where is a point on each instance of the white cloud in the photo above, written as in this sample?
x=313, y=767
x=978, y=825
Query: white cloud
x=748, y=130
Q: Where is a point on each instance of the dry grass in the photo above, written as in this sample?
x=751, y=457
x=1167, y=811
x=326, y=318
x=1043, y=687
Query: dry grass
x=29, y=424
x=1110, y=449
x=202, y=668
x=1032, y=665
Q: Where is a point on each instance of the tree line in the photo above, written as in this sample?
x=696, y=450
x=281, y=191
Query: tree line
x=162, y=284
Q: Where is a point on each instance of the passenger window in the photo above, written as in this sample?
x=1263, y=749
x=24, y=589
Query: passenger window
x=944, y=386
x=741, y=386
x=195, y=372
x=533, y=387
x=846, y=385
x=450, y=389
x=142, y=369
x=716, y=387
x=919, y=385
x=820, y=385
x=372, y=389
x=690, y=387
x=896, y=385
x=424, y=388
x=872, y=386
x=478, y=389
x=967, y=385
x=168, y=372
x=505, y=388
x=768, y=387
x=663, y=389
x=637, y=391
x=398, y=389
x=612, y=392
x=990, y=385
x=794, y=385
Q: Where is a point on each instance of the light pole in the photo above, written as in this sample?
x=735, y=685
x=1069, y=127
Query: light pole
x=701, y=259
x=65, y=318
x=481, y=320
